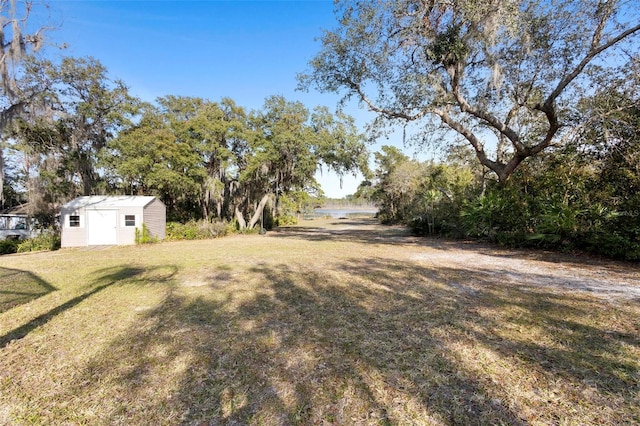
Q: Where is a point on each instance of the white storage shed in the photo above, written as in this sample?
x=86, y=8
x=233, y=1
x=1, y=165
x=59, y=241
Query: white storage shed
x=102, y=220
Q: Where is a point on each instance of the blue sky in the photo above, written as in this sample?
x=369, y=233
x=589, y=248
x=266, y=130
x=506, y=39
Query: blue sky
x=245, y=50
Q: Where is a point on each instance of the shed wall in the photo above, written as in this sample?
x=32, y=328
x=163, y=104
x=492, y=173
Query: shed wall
x=155, y=217
x=127, y=234
x=73, y=236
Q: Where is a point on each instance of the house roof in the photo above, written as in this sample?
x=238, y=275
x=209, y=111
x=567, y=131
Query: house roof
x=21, y=210
x=102, y=201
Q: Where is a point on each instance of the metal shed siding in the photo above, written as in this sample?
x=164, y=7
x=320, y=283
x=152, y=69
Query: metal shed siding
x=155, y=217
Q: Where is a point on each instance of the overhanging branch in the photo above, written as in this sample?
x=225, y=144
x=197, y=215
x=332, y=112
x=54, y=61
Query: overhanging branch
x=593, y=52
x=497, y=167
x=386, y=112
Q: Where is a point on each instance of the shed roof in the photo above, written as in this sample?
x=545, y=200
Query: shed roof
x=102, y=201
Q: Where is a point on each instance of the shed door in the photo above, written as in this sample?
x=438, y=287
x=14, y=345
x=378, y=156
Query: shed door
x=101, y=227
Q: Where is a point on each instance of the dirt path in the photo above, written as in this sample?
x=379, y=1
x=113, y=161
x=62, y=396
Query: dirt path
x=605, y=279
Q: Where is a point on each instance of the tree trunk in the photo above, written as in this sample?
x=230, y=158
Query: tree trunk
x=204, y=208
x=256, y=216
x=240, y=218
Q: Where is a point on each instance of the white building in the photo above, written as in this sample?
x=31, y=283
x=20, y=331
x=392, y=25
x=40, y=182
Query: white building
x=102, y=220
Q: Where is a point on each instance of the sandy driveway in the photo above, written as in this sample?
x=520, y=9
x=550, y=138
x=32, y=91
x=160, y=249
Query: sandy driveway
x=560, y=272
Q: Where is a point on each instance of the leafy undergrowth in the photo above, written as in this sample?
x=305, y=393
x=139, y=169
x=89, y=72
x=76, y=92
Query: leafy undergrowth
x=305, y=327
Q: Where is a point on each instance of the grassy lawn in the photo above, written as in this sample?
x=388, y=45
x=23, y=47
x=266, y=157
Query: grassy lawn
x=358, y=325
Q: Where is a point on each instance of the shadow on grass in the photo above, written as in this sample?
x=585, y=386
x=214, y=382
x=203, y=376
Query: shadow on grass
x=18, y=287
x=372, y=341
x=386, y=343
x=362, y=230
x=105, y=279
x=370, y=231
x=579, y=337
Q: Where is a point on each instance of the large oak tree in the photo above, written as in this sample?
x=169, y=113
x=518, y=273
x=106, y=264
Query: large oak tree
x=504, y=75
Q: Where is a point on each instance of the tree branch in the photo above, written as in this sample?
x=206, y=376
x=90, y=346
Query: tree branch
x=482, y=115
x=593, y=52
x=497, y=167
x=373, y=107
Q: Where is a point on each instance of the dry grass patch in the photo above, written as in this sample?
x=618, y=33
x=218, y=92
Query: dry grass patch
x=342, y=326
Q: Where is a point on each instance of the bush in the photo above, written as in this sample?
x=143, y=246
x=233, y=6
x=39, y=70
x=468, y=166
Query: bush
x=8, y=246
x=48, y=239
x=482, y=217
x=197, y=230
x=613, y=244
x=285, y=220
x=143, y=236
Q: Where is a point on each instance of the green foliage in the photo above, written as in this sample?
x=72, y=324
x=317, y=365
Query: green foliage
x=197, y=230
x=286, y=220
x=481, y=216
x=150, y=158
x=293, y=204
x=426, y=196
x=558, y=223
x=614, y=244
x=213, y=160
x=485, y=70
x=448, y=48
x=143, y=236
x=390, y=188
x=203, y=159
x=8, y=246
x=48, y=239
x=569, y=199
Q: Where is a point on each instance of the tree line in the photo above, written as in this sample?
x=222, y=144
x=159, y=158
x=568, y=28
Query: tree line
x=68, y=129
x=84, y=134
x=583, y=194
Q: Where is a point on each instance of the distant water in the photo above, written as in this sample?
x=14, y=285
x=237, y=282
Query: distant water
x=338, y=213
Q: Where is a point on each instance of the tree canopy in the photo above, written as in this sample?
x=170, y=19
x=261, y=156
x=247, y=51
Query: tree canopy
x=67, y=128
x=504, y=76
x=84, y=134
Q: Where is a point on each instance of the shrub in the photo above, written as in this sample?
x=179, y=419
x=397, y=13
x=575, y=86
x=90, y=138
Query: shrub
x=285, y=220
x=143, y=236
x=48, y=239
x=482, y=217
x=8, y=246
x=197, y=230
x=613, y=244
